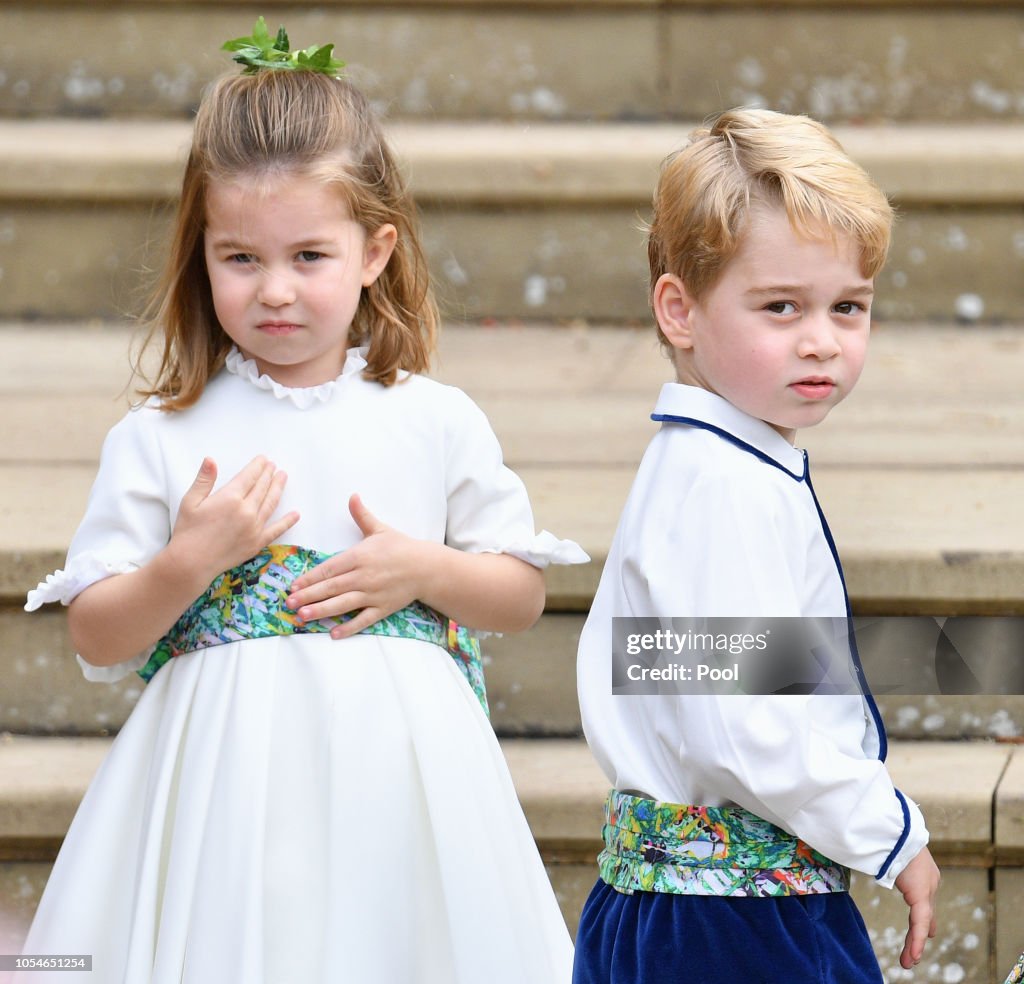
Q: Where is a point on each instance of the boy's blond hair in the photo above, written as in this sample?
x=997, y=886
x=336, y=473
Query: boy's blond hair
x=749, y=157
x=307, y=125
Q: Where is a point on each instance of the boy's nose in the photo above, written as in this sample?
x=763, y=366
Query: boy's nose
x=818, y=339
x=275, y=290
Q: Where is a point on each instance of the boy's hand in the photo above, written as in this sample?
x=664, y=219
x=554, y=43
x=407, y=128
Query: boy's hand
x=216, y=531
x=918, y=883
x=380, y=575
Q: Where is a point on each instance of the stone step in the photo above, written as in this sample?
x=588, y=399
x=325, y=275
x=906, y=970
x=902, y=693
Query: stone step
x=921, y=473
x=547, y=59
x=975, y=814
x=520, y=221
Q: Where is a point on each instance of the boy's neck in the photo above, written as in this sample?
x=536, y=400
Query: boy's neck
x=687, y=375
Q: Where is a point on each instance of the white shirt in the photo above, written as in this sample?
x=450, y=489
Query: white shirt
x=722, y=521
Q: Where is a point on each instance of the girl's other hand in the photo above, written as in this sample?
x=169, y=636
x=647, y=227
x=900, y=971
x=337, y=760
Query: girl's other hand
x=379, y=575
x=216, y=531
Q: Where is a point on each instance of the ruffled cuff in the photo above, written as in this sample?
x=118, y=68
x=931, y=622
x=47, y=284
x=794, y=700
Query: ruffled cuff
x=540, y=550
x=114, y=672
x=545, y=548
x=65, y=585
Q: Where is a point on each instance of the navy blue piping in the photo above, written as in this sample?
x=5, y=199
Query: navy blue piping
x=903, y=837
x=732, y=439
x=883, y=741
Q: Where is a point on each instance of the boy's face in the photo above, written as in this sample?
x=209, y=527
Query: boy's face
x=783, y=333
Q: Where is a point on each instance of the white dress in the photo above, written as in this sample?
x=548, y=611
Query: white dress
x=298, y=809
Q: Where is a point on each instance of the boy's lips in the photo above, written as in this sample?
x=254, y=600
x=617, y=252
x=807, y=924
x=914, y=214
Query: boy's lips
x=814, y=387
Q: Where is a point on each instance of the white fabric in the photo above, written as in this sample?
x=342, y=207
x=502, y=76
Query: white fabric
x=301, y=809
x=709, y=529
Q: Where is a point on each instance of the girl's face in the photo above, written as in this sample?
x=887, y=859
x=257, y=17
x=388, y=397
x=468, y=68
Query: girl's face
x=783, y=333
x=287, y=267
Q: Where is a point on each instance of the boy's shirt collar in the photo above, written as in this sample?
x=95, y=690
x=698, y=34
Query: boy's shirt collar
x=702, y=408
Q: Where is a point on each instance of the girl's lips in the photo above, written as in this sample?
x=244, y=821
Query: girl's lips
x=277, y=328
x=813, y=389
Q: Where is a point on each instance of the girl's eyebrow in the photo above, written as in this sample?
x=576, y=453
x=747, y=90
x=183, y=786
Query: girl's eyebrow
x=311, y=243
x=227, y=242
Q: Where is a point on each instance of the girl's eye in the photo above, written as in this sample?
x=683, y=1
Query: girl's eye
x=781, y=307
x=309, y=256
x=241, y=258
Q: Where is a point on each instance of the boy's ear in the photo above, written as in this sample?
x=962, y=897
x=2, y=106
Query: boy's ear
x=377, y=251
x=673, y=309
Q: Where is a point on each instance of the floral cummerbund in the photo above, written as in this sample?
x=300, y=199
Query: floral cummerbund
x=699, y=850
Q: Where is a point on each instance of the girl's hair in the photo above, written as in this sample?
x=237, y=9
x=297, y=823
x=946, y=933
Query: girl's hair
x=307, y=124
x=750, y=157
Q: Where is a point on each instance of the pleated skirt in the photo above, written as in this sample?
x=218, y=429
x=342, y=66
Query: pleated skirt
x=304, y=810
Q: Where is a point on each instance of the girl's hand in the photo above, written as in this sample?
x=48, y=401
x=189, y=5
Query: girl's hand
x=216, y=531
x=380, y=575
x=120, y=616
x=918, y=882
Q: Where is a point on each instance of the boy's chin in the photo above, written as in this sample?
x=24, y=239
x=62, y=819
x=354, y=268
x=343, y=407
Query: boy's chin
x=789, y=423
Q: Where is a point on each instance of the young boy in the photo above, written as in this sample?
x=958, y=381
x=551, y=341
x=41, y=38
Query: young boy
x=734, y=819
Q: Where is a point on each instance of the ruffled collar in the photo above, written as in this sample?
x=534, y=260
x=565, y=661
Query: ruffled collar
x=302, y=397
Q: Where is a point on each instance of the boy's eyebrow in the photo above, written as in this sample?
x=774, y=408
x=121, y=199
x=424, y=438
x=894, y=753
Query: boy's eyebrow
x=859, y=290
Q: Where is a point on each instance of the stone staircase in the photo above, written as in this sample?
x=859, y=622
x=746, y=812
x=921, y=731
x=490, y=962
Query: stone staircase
x=532, y=134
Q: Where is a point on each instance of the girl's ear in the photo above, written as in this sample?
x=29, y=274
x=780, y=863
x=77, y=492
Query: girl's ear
x=377, y=252
x=673, y=309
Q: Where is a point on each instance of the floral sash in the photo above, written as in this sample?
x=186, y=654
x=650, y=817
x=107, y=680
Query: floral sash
x=249, y=602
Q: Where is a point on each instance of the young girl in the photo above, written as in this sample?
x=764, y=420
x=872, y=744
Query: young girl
x=283, y=806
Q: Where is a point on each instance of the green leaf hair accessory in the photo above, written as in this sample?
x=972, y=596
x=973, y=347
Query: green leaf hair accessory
x=263, y=52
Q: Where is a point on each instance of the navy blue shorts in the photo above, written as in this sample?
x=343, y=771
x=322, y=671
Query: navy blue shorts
x=658, y=938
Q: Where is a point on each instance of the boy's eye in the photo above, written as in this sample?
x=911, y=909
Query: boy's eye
x=781, y=307
x=849, y=307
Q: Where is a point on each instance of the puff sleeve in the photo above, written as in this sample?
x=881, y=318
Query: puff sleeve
x=126, y=523
x=488, y=506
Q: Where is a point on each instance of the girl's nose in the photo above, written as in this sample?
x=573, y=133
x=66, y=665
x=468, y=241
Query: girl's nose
x=275, y=290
